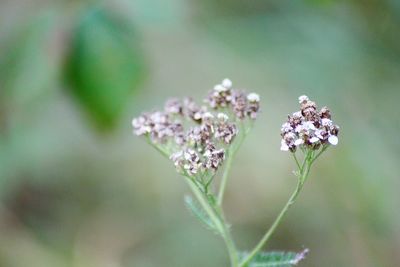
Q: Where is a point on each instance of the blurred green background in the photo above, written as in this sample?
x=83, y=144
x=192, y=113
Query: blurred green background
x=78, y=189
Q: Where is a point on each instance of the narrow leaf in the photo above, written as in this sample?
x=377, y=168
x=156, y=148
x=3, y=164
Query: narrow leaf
x=277, y=259
x=199, y=213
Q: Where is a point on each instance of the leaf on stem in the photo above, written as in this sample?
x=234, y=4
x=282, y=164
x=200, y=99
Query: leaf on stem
x=199, y=213
x=277, y=259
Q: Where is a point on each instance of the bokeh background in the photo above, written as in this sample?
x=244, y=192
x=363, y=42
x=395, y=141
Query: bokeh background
x=78, y=189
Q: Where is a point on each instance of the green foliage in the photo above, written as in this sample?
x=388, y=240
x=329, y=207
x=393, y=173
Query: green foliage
x=30, y=67
x=105, y=66
x=276, y=259
x=199, y=213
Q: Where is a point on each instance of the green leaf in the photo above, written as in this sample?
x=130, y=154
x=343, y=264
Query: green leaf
x=199, y=213
x=29, y=68
x=105, y=66
x=276, y=259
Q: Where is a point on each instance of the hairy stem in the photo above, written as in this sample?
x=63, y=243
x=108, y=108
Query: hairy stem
x=296, y=160
x=224, y=179
x=217, y=218
x=320, y=152
x=304, y=171
x=229, y=160
x=158, y=148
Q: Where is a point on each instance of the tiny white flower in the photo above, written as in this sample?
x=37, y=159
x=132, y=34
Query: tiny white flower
x=298, y=142
x=197, y=116
x=297, y=114
x=207, y=153
x=298, y=128
x=208, y=115
x=290, y=135
x=326, y=122
x=308, y=125
x=286, y=127
x=318, y=134
x=253, y=97
x=284, y=146
x=303, y=98
x=222, y=116
x=333, y=140
x=187, y=155
x=219, y=88
x=314, y=140
x=227, y=83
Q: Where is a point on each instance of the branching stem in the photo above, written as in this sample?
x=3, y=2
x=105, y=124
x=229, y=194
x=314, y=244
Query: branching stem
x=217, y=218
x=224, y=179
x=231, y=154
x=304, y=171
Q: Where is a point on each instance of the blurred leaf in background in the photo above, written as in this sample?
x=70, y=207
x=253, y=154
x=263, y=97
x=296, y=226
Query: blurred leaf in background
x=29, y=68
x=105, y=65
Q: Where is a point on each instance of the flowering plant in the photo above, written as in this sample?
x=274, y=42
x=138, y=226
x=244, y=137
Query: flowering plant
x=200, y=139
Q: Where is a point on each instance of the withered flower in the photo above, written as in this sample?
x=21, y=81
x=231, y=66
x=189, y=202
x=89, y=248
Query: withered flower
x=193, y=136
x=308, y=128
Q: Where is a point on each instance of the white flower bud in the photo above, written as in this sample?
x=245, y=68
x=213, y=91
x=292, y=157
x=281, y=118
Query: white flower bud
x=303, y=98
x=253, y=97
x=219, y=88
x=326, y=122
x=298, y=142
x=222, y=116
x=308, y=125
x=333, y=140
x=208, y=115
x=227, y=83
x=284, y=146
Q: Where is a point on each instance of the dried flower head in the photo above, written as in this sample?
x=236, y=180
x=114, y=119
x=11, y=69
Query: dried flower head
x=187, y=161
x=173, y=106
x=308, y=128
x=220, y=96
x=202, y=145
x=223, y=96
x=224, y=130
x=192, y=110
x=254, y=105
x=213, y=157
x=157, y=125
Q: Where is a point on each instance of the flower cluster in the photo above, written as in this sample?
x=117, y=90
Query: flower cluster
x=158, y=125
x=242, y=105
x=210, y=130
x=308, y=128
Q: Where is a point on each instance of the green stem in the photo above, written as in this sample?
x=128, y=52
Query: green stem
x=217, y=218
x=304, y=171
x=297, y=161
x=224, y=179
x=229, y=160
x=158, y=148
x=319, y=153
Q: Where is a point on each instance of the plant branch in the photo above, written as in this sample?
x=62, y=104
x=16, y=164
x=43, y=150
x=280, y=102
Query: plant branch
x=218, y=220
x=158, y=148
x=224, y=179
x=304, y=171
x=297, y=161
x=229, y=160
x=319, y=153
